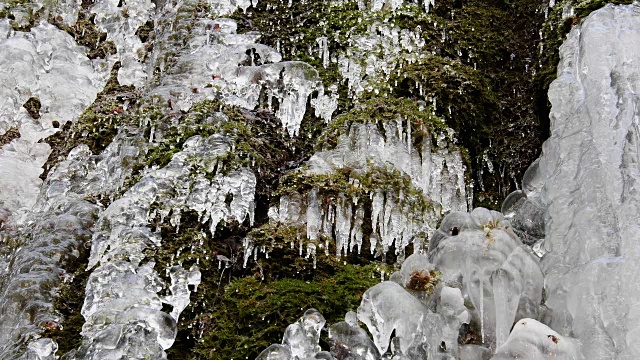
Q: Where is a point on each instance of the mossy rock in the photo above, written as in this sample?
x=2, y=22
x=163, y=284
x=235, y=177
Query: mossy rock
x=87, y=34
x=341, y=182
x=481, y=55
x=224, y=318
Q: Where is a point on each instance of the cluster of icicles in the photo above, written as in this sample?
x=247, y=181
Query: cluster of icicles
x=483, y=279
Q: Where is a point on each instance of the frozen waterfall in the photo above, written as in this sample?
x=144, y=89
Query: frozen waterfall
x=214, y=150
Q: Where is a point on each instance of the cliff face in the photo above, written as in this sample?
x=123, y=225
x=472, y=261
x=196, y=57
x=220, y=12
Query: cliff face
x=182, y=178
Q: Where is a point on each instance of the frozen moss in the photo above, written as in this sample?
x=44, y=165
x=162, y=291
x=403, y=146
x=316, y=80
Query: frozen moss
x=355, y=185
x=22, y=15
x=476, y=61
x=422, y=280
x=379, y=110
x=9, y=136
x=231, y=315
x=68, y=302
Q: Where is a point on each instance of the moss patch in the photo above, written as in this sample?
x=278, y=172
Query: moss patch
x=381, y=110
x=225, y=317
x=69, y=296
x=477, y=62
x=9, y=136
x=97, y=125
x=68, y=303
x=355, y=184
x=252, y=314
x=13, y=8
x=33, y=107
x=87, y=34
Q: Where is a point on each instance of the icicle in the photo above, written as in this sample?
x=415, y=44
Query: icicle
x=313, y=216
x=247, y=246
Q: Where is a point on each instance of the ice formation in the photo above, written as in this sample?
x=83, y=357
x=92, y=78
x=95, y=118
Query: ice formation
x=530, y=339
x=396, y=214
x=500, y=276
x=375, y=55
x=376, y=5
x=122, y=294
x=434, y=299
x=586, y=179
x=572, y=228
x=300, y=340
x=435, y=167
x=217, y=62
x=349, y=340
x=577, y=209
x=46, y=64
x=120, y=20
x=525, y=210
x=55, y=233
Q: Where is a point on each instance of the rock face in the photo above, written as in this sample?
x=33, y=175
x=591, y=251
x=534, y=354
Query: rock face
x=195, y=163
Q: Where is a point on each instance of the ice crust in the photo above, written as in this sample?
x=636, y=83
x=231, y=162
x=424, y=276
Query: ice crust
x=217, y=62
x=533, y=340
x=438, y=173
x=500, y=276
x=55, y=232
x=120, y=20
x=347, y=338
x=123, y=292
x=47, y=64
x=374, y=56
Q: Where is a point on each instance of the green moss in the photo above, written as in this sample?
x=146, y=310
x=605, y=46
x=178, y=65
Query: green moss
x=253, y=314
x=33, y=12
x=355, y=184
x=477, y=62
x=380, y=110
x=218, y=323
x=68, y=303
x=98, y=124
x=87, y=34
x=69, y=297
x=9, y=136
x=33, y=107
